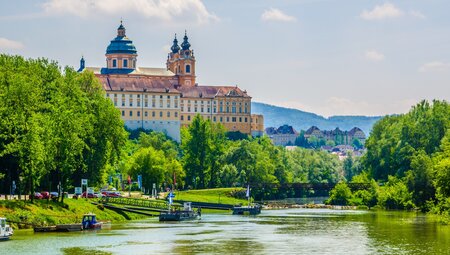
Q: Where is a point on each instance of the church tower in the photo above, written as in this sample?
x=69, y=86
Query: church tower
x=181, y=62
x=121, y=54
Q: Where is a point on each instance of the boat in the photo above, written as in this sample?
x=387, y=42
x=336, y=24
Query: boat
x=5, y=230
x=179, y=215
x=90, y=222
x=247, y=210
x=250, y=209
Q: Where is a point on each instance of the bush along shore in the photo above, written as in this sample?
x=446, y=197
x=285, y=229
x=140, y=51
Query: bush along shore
x=26, y=214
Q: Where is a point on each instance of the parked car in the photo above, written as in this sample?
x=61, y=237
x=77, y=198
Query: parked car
x=54, y=194
x=45, y=195
x=92, y=195
x=111, y=194
x=36, y=195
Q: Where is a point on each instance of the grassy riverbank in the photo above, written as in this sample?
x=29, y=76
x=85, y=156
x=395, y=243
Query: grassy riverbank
x=221, y=195
x=43, y=212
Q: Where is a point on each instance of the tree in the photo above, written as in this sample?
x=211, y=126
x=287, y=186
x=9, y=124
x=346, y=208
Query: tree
x=196, y=147
x=149, y=163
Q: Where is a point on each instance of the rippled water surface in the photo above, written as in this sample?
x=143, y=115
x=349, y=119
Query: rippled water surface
x=291, y=231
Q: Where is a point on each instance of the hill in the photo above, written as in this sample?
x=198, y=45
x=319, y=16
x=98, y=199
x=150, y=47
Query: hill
x=275, y=116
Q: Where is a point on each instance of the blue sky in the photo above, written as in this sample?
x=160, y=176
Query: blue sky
x=331, y=57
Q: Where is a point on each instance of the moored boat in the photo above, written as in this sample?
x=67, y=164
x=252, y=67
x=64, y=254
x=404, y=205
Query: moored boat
x=90, y=222
x=179, y=215
x=247, y=210
x=5, y=230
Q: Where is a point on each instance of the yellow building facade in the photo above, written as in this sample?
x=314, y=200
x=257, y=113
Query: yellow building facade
x=164, y=99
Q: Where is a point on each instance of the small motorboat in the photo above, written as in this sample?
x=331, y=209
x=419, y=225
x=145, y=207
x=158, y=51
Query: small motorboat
x=5, y=230
x=90, y=222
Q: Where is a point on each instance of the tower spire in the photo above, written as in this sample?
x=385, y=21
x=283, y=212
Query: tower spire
x=175, y=48
x=121, y=29
x=185, y=45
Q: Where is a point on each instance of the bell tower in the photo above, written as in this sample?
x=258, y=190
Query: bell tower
x=181, y=61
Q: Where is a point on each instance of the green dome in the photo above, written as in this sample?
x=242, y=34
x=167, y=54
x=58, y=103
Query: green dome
x=121, y=44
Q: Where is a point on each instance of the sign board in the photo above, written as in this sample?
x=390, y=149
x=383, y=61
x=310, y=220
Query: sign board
x=84, y=181
x=140, y=181
x=90, y=190
x=78, y=191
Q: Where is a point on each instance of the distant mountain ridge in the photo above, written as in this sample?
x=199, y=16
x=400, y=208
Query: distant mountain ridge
x=275, y=116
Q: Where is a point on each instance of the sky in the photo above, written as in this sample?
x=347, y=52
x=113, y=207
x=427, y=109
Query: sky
x=330, y=57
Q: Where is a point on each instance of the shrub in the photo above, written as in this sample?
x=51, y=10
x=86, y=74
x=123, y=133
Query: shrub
x=340, y=195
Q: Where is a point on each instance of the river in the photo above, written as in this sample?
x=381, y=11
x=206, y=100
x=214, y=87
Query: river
x=287, y=231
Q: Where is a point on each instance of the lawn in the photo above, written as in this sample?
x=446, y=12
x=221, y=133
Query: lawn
x=221, y=195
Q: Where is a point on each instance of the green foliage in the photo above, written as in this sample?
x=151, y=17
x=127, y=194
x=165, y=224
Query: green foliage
x=395, y=195
x=314, y=166
x=54, y=126
x=340, y=195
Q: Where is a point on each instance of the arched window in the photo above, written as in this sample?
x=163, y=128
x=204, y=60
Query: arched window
x=188, y=68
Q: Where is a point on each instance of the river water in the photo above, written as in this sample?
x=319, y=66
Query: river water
x=289, y=231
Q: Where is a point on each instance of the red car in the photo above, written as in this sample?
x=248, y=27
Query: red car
x=36, y=195
x=111, y=194
x=45, y=195
x=89, y=195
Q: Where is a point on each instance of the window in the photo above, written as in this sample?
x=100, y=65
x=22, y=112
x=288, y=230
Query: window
x=246, y=120
x=123, y=113
x=168, y=114
x=233, y=109
x=107, y=94
x=182, y=117
x=114, y=63
x=189, y=108
x=221, y=119
x=125, y=63
x=176, y=114
x=233, y=119
x=146, y=114
x=221, y=109
x=153, y=114
x=189, y=117
x=240, y=119
x=195, y=109
x=228, y=119
x=146, y=103
x=215, y=109
x=188, y=68
x=139, y=113
x=228, y=109
x=214, y=118
x=139, y=103
x=131, y=113
x=160, y=114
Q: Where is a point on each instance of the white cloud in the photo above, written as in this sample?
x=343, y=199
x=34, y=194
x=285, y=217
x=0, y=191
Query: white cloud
x=274, y=14
x=374, y=55
x=380, y=12
x=417, y=14
x=10, y=44
x=435, y=66
x=165, y=10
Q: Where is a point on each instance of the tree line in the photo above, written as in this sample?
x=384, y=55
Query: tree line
x=407, y=162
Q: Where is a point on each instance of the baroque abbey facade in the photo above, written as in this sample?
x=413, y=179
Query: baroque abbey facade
x=164, y=99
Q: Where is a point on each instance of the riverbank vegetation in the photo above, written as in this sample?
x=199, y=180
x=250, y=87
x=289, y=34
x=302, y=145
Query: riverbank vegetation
x=407, y=162
x=25, y=214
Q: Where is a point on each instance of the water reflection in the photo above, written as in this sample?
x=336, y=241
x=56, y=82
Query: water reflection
x=295, y=231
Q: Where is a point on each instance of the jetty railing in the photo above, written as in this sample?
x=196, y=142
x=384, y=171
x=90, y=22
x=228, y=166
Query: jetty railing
x=138, y=202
